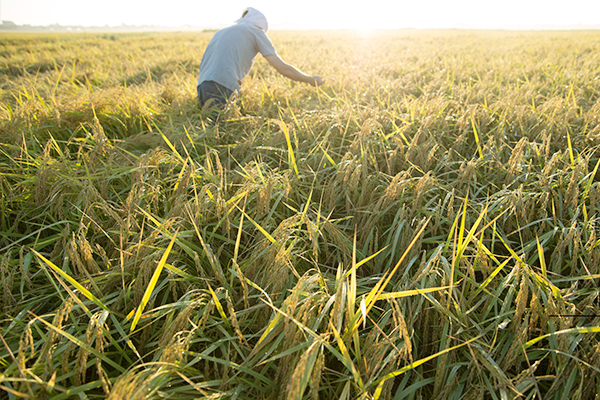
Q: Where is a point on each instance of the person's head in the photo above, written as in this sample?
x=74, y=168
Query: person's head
x=254, y=17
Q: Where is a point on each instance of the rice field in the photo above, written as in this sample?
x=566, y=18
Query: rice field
x=422, y=226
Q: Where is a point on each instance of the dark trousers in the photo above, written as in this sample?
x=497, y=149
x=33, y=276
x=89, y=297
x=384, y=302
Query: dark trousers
x=219, y=94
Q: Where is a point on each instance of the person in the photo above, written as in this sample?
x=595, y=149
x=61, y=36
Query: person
x=230, y=55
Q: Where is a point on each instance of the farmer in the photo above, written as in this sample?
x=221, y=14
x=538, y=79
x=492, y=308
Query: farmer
x=229, y=56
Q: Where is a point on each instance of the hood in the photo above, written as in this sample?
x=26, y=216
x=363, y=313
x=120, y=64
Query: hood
x=256, y=18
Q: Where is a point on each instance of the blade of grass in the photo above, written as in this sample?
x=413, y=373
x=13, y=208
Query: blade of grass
x=66, y=276
x=364, y=261
x=492, y=276
x=571, y=154
x=212, y=259
x=291, y=156
x=217, y=303
x=541, y=258
x=380, y=382
x=82, y=344
x=260, y=228
x=12, y=356
x=152, y=283
x=346, y=358
x=590, y=181
x=328, y=156
x=591, y=329
x=476, y=138
x=408, y=293
x=125, y=337
x=343, y=355
x=352, y=300
x=168, y=142
x=377, y=290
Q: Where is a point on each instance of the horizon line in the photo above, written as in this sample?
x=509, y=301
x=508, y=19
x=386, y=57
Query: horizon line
x=6, y=25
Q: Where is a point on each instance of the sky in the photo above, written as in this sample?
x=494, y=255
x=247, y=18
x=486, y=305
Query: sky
x=309, y=14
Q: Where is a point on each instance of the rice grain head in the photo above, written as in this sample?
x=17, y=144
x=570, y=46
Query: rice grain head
x=7, y=274
x=514, y=165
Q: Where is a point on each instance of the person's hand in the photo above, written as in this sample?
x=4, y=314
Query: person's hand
x=317, y=80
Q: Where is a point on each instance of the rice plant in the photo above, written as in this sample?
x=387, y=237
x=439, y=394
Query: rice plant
x=422, y=226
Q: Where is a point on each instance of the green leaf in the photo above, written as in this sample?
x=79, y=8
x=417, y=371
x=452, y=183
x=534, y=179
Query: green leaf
x=591, y=329
x=152, y=284
x=83, y=345
x=414, y=365
x=73, y=282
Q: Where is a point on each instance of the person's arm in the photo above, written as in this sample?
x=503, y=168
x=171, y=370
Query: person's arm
x=291, y=72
